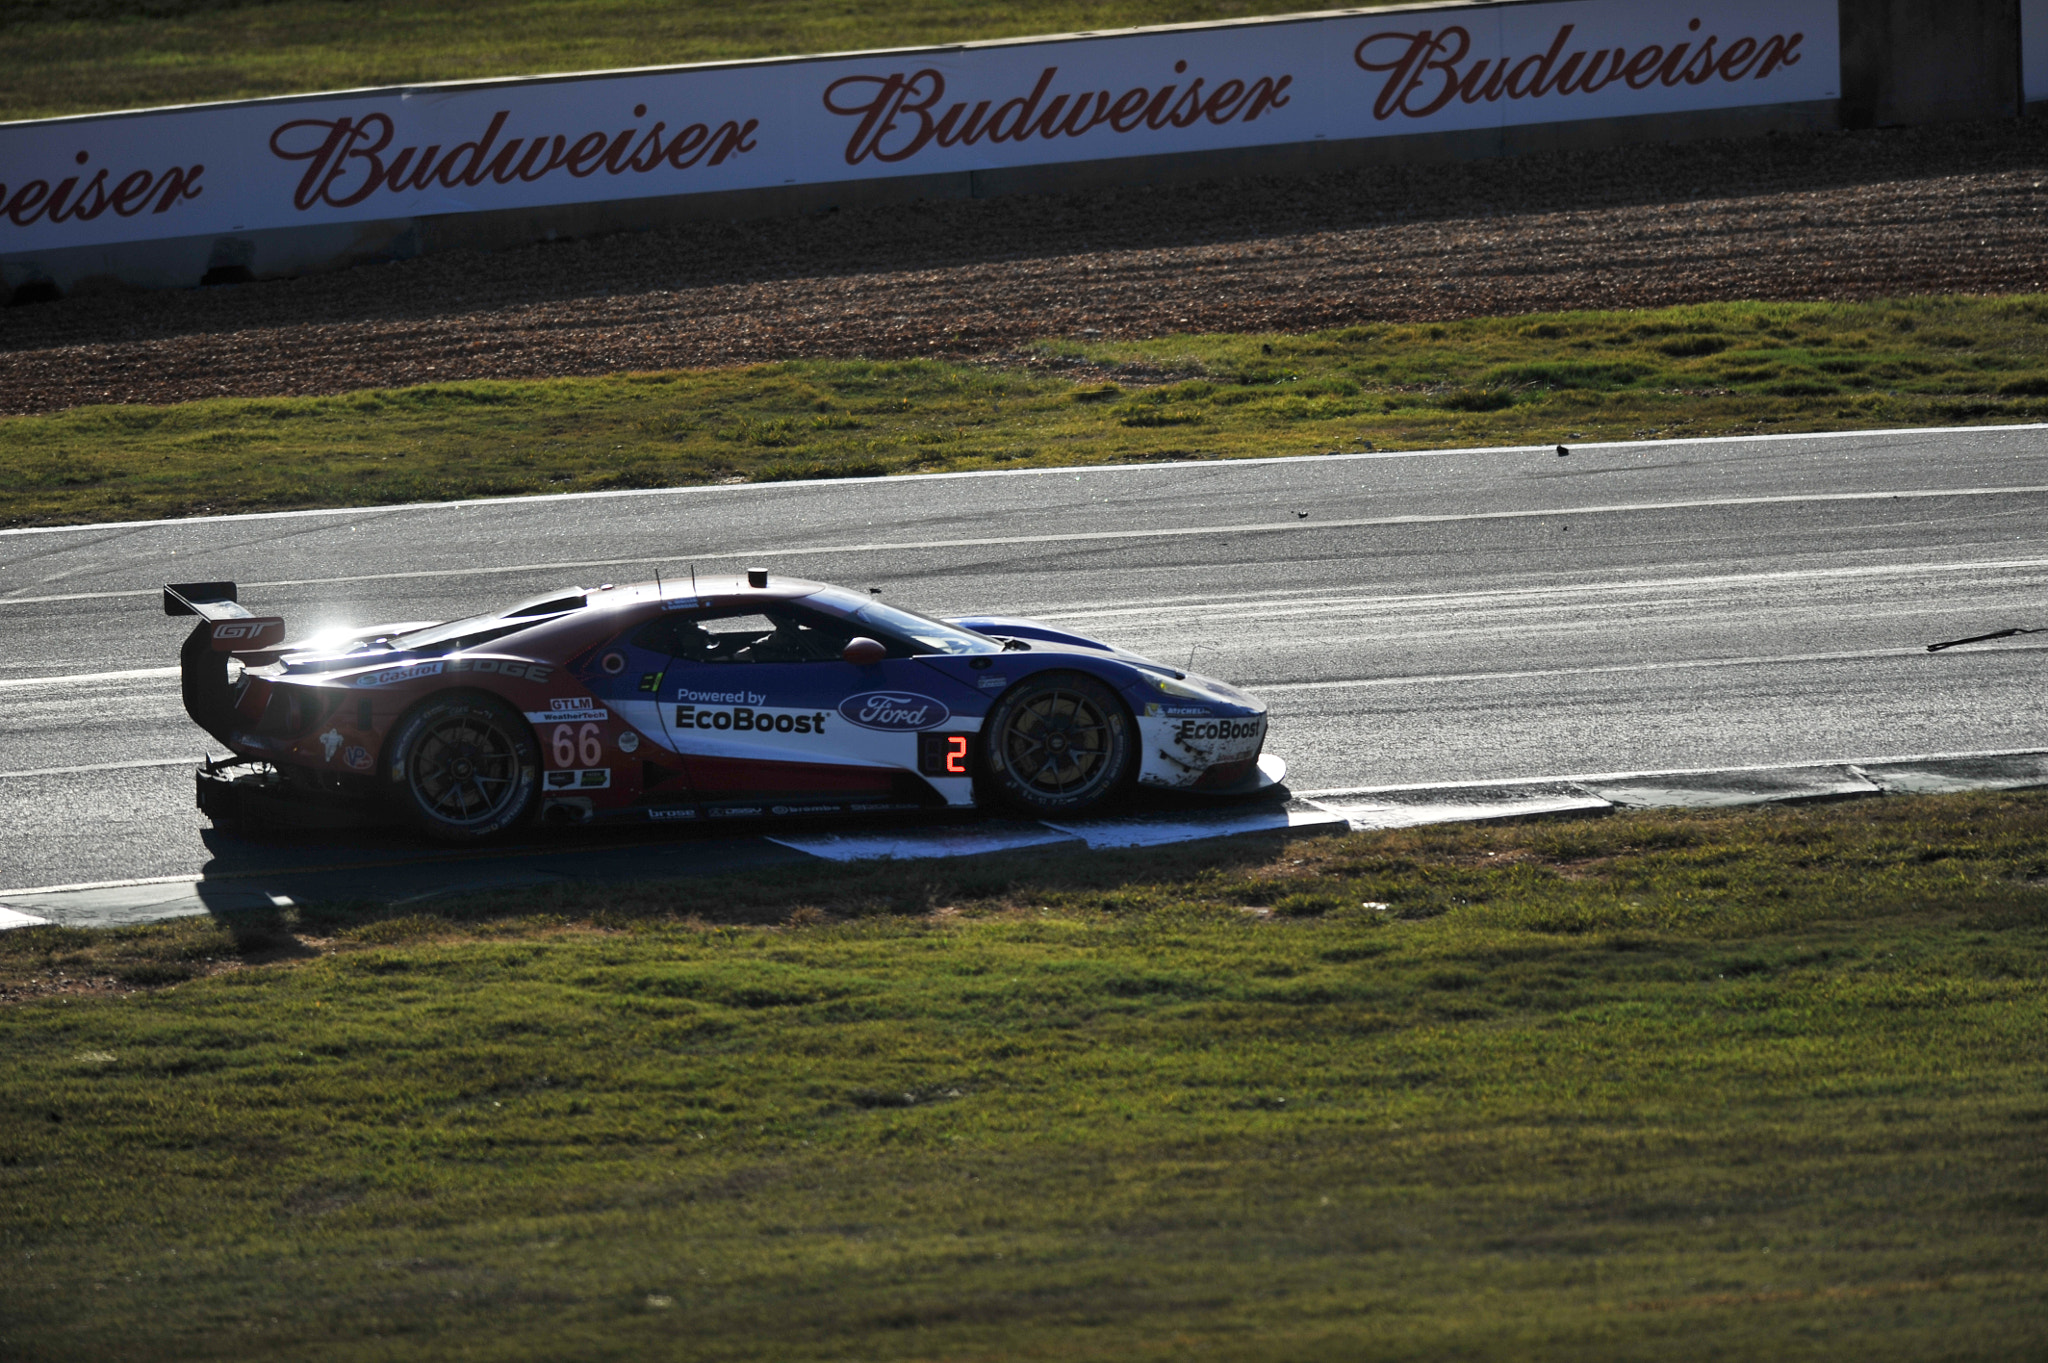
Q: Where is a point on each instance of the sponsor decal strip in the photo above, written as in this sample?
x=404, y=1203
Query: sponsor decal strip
x=599, y=778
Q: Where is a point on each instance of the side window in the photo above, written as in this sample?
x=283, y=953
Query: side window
x=774, y=634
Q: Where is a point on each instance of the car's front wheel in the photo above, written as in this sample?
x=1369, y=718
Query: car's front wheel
x=1058, y=743
x=463, y=767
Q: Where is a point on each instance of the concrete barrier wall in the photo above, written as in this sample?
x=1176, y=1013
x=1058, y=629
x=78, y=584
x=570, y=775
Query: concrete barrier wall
x=276, y=187
x=2033, y=45
x=267, y=188
x=1917, y=61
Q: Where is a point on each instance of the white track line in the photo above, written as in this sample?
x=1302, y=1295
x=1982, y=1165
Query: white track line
x=1760, y=660
x=104, y=766
x=1671, y=771
x=105, y=885
x=1107, y=536
x=1293, y=601
x=133, y=674
x=1055, y=471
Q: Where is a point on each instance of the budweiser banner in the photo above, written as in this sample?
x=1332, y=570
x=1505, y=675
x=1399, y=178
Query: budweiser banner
x=481, y=146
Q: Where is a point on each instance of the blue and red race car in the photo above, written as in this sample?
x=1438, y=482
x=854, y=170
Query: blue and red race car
x=728, y=697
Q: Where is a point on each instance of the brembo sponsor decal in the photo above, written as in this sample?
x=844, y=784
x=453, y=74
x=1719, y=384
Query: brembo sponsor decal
x=741, y=719
x=1218, y=728
x=898, y=711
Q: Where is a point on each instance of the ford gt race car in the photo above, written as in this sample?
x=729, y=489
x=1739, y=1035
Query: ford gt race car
x=653, y=702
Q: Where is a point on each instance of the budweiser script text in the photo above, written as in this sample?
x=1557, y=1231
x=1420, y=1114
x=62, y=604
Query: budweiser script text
x=348, y=158
x=1424, y=72
x=897, y=118
x=34, y=200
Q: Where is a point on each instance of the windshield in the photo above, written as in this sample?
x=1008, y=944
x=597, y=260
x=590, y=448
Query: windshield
x=933, y=636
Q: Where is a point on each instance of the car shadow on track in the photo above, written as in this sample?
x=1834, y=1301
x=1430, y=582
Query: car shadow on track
x=378, y=870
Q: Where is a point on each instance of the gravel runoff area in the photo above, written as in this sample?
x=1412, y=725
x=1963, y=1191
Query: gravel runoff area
x=1959, y=208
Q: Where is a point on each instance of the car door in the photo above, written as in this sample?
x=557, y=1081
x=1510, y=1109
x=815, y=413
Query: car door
x=752, y=698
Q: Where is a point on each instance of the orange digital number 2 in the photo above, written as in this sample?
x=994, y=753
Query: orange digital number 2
x=956, y=754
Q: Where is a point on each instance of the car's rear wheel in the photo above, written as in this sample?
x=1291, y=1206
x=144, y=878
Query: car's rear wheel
x=1058, y=743
x=464, y=767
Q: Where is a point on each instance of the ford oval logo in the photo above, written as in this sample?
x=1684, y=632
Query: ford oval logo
x=894, y=710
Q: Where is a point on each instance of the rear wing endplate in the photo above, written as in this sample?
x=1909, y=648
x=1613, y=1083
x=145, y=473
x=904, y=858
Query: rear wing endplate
x=229, y=626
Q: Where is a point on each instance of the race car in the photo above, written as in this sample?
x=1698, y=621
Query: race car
x=692, y=701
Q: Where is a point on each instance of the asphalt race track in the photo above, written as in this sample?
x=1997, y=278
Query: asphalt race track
x=1448, y=616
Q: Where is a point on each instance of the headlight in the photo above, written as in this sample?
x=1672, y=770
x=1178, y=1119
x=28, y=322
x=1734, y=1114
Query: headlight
x=1205, y=689
x=1177, y=688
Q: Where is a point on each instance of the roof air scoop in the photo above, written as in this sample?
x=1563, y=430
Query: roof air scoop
x=554, y=603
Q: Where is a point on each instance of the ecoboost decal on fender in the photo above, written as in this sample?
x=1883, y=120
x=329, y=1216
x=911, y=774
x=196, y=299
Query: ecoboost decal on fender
x=894, y=711
x=1225, y=729
x=745, y=720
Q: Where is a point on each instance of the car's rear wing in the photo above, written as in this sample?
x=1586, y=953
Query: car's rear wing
x=229, y=626
x=224, y=627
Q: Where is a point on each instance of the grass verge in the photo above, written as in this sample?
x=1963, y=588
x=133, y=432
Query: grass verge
x=1718, y=369
x=1660, y=1085
x=80, y=56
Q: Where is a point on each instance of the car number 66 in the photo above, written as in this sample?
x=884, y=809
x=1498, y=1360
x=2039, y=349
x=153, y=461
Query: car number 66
x=573, y=743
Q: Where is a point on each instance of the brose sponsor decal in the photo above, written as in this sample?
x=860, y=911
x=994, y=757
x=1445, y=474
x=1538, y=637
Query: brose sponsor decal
x=1218, y=728
x=741, y=719
x=894, y=710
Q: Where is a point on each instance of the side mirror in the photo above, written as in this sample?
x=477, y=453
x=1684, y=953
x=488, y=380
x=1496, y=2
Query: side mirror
x=864, y=652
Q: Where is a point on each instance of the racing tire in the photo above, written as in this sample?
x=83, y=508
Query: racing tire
x=1058, y=743
x=463, y=767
